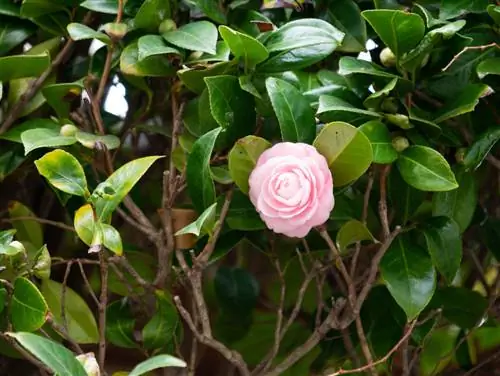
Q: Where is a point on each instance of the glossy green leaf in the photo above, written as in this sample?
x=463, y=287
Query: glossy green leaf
x=243, y=46
x=154, y=66
x=112, y=239
x=82, y=32
x=11, y=157
x=28, y=308
x=243, y=157
x=488, y=66
x=8, y=8
x=375, y=100
x=84, y=223
x=195, y=36
x=120, y=325
x=203, y=225
x=404, y=198
x=242, y=214
x=426, y=169
x=236, y=289
x=461, y=306
x=350, y=65
x=295, y=115
x=460, y=203
x=55, y=356
x=194, y=79
x=20, y=66
x=300, y=43
x=37, y=8
x=163, y=327
x=400, y=31
x=231, y=107
x=151, y=14
x=81, y=323
x=42, y=263
x=438, y=350
x=14, y=134
x=347, y=151
x=346, y=16
x=380, y=138
x=101, y=6
x=352, y=232
x=213, y=10
x=465, y=102
x=64, y=172
x=60, y=96
x=222, y=54
x=90, y=140
x=455, y=8
x=247, y=85
x=494, y=12
x=444, y=244
x=199, y=180
x=158, y=361
x=110, y=193
x=27, y=230
x=409, y=275
x=151, y=45
x=477, y=152
x=13, y=32
x=333, y=109
x=44, y=138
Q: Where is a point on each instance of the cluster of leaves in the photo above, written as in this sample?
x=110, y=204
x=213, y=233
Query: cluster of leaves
x=399, y=98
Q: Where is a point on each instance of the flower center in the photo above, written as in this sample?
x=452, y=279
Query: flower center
x=287, y=185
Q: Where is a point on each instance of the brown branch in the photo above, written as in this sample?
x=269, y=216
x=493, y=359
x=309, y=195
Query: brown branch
x=381, y=360
x=103, y=302
x=382, y=204
x=87, y=283
x=40, y=220
x=232, y=356
x=363, y=342
x=64, y=333
x=466, y=49
x=123, y=261
x=25, y=353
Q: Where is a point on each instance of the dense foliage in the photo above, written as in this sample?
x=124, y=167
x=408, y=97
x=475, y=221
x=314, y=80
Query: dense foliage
x=137, y=209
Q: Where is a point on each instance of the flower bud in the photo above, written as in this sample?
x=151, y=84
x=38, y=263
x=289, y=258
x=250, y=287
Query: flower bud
x=166, y=26
x=400, y=143
x=387, y=58
x=89, y=363
x=68, y=130
x=17, y=246
x=402, y=121
x=389, y=105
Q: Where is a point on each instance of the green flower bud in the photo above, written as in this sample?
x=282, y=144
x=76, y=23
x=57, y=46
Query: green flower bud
x=68, y=130
x=400, y=143
x=402, y=121
x=166, y=26
x=387, y=58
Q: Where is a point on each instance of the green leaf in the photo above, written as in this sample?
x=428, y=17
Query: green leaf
x=14, y=134
x=458, y=204
x=11, y=157
x=222, y=54
x=8, y=8
x=380, y=138
x=352, y=232
x=13, y=33
x=333, y=108
x=194, y=78
x=195, y=36
x=444, y=244
x=243, y=46
x=374, y=101
x=409, y=275
x=400, y=31
x=465, y=102
x=81, y=323
x=161, y=330
x=153, y=66
x=112, y=239
x=232, y=108
x=27, y=230
x=350, y=65
x=44, y=138
x=152, y=13
x=243, y=157
x=494, y=12
x=64, y=172
x=28, y=308
x=158, y=361
x=212, y=9
x=120, y=324
x=20, y=66
x=81, y=32
x=236, y=289
x=42, y=263
x=404, y=198
x=221, y=175
x=345, y=15
x=477, y=152
x=295, y=115
x=461, y=306
x=151, y=45
x=489, y=66
x=60, y=96
x=203, y=224
x=300, y=43
x=101, y=6
x=247, y=85
x=110, y=193
x=455, y=8
x=199, y=180
x=55, y=356
x=89, y=140
x=347, y=151
x=242, y=214
x=84, y=223
x=426, y=169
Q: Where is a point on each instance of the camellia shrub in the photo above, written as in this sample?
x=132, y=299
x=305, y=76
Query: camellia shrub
x=238, y=187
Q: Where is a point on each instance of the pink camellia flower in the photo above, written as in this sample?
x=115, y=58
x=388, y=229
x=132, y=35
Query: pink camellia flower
x=291, y=187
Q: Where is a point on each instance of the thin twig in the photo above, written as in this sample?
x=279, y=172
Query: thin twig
x=382, y=204
x=27, y=355
x=87, y=283
x=64, y=332
x=466, y=49
x=40, y=220
x=365, y=348
x=103, y=302
x=63, y=295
